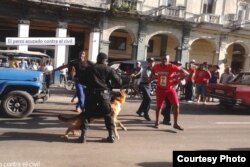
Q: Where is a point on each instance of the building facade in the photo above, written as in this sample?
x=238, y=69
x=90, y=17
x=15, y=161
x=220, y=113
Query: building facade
x=212, y=31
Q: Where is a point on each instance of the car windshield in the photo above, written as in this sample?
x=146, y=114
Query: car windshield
x=242, y=78
x=7, y=55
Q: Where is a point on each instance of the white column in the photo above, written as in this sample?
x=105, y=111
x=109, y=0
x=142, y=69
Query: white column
x=60, y=50
x=94, y=44
x=23, y=31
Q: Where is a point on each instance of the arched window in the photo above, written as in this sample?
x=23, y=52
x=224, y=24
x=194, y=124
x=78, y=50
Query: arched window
x=208, y=6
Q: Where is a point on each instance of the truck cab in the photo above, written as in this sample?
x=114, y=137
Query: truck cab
x=19, y=88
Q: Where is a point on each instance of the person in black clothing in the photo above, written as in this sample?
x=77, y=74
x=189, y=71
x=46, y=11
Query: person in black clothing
x=98, y=96
x=166, y=112
x=78, y=67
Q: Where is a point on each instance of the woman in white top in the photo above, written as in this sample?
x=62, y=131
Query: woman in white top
x=48, y=71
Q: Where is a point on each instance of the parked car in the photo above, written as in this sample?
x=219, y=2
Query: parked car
x=237, y=92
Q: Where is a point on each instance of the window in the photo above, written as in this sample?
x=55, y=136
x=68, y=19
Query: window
x=208, y=6
x=117, y=43
x=242, y=11
x=150, y=46
x=168, y=2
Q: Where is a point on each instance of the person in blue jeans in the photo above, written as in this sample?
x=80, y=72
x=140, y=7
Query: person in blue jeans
x=78, y=71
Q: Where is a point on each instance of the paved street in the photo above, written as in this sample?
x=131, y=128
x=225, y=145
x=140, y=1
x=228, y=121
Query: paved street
x=37, y=140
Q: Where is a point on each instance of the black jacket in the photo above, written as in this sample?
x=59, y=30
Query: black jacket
x=100, y=76
x=81, y=69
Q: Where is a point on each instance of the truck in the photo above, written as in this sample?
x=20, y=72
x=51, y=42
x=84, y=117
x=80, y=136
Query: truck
x=19, y=90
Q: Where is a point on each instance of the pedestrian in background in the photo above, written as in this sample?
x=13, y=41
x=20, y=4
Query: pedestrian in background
x=33, y=65
x=23, y=64
x=190, y=81
x=13, y=62
x=201, y=79
x=48, y=69
x=63, y=76
x=227, y=76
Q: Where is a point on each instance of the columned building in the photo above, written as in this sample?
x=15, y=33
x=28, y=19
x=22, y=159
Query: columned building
x=212, y=31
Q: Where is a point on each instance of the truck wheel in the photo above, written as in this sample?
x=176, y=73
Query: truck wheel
x=17, y=104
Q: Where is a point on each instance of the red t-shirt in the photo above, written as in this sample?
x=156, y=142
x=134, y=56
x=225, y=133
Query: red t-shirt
x=165, y=75
x=202, y=76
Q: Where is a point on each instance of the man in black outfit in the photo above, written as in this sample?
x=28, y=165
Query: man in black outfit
x=98, y=96
x=166, y=112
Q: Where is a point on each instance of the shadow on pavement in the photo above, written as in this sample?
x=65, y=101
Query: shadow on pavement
x=155, y=164
x=33, y=122
x=240, y=149
x=15, y=136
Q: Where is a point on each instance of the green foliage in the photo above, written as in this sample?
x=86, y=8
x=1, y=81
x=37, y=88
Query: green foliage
x=123, y=7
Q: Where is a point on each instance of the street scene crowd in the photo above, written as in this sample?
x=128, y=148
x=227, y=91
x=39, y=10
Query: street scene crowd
x=93, y=84
x=171, y=79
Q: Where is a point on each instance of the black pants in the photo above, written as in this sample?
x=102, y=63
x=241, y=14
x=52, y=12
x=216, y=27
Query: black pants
x=167, y=110
x=97, y=105
x=47, y=80
x=146, y=101
x=189, y=90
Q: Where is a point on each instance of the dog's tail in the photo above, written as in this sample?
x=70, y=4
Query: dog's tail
x=68, y=119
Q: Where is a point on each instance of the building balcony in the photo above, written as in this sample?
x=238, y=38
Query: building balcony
x=209, y=18
x=231, y=21
x=165, y=11
x=103, y=4
x=205, y=18
x=137, y=6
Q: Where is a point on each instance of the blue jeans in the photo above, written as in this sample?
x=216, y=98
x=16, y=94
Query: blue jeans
x=80, y=92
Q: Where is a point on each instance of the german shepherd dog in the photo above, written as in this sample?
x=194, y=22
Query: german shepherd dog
x=117, y=99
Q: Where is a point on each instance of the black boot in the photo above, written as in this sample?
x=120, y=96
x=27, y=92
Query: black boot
x=82, y=138
x=111, y=137
x=166, y=121
x=146, y=116
x=84, y=125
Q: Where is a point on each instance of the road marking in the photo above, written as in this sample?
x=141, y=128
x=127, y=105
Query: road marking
x=232, y=123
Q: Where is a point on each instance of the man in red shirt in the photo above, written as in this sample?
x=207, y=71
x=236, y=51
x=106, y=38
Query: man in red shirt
x=165, y=73
x=201, y=79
